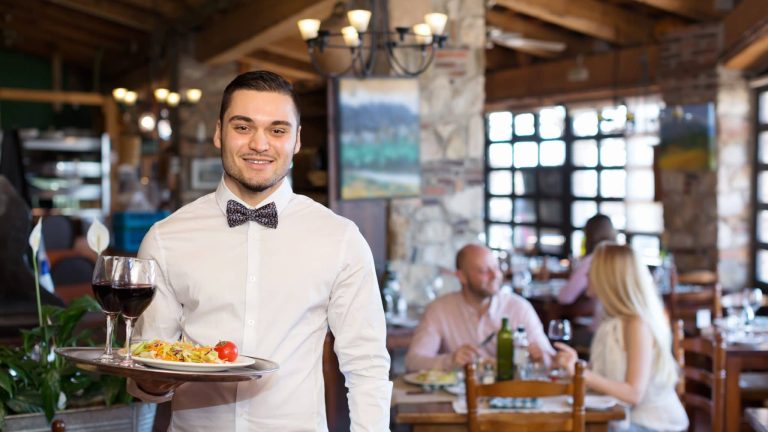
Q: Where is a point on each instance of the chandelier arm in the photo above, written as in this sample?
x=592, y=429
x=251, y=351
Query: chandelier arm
x=426, y=61
x=369, y=63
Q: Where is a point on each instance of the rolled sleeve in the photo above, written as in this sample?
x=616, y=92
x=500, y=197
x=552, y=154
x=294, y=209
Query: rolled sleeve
x=356, y=319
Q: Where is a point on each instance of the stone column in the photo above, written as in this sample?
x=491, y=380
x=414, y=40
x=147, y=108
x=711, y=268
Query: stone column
x=735, y=161
x=426, y=232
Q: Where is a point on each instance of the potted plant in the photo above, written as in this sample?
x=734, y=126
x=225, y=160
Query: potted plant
x=37, y=386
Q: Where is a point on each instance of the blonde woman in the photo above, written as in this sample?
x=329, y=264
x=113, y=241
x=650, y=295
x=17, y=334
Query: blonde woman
x=631, y=356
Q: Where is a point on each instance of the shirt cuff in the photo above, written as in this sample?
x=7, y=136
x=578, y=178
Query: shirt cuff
x=136, y=391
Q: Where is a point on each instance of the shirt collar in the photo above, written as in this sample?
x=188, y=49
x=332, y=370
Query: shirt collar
x=280, y=197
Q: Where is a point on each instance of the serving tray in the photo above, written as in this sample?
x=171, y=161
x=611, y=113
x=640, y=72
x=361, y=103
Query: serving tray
x=87, y=358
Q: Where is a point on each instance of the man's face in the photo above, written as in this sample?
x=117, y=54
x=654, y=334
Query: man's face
x=258, y=137
x=480, y=273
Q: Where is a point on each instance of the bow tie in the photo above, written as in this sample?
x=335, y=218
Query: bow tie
x=238, y=214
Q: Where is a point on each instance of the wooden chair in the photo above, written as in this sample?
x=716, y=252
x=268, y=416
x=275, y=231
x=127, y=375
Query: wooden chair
x=685, y=305
x=702, y=385
x=525, y=421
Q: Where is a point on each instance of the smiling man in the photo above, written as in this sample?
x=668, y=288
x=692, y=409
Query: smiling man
x=270, y=270
x=455, y=328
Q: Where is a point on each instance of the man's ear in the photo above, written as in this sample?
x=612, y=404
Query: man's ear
x=460, y=275
x=297, y=147
x=217, y=135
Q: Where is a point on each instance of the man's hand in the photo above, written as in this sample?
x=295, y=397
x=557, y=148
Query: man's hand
x=157, y=388
x=465, y=354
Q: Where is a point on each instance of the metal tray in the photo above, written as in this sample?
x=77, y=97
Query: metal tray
x=87, y=358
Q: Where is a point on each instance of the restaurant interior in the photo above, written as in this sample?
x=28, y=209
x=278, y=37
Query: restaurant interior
x=431, y=125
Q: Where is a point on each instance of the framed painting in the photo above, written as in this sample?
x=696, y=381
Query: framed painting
x=205, y=173
x=378, y=133
x=687, y=138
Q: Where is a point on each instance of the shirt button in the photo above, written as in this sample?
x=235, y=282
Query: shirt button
x=252, y=278
x=251, y=322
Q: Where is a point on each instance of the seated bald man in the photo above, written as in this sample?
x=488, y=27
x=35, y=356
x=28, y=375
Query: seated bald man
x=454, y=325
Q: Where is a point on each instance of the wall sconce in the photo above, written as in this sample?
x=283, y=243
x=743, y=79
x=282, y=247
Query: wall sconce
x=161, y=95
x=363, y=40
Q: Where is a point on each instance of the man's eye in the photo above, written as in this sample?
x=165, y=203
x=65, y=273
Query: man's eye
x=241, y=128
x=278, y=131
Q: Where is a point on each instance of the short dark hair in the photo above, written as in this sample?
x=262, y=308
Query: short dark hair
x=598, y=229
x=263, y=81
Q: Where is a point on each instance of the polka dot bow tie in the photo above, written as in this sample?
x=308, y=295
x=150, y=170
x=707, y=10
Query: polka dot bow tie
x=238, y=214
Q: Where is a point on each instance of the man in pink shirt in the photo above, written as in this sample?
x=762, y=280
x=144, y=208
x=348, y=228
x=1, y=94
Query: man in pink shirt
x=453, y=328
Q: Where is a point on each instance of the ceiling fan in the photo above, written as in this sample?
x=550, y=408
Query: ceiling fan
x=516, y=40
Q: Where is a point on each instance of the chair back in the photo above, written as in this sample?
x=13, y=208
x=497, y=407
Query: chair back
x=686, y=304
x=525, y=421
x=57, y=232
x=72, y=270
x=702, y=382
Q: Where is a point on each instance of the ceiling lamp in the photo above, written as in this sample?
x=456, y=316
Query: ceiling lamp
x=362, y=40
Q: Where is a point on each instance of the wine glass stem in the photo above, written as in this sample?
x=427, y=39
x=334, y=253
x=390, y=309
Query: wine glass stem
x=128, y=335
x=110, y=329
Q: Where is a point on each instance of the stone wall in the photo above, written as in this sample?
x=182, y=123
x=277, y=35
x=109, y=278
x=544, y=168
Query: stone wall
x=734, y=174
x=426, y=232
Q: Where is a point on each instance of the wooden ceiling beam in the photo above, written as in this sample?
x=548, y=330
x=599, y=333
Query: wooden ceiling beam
x=292, y=47
x=512, y=22
x=623, y=68
x=595, y=18
x=693, y=9
x=282, y=65
x=113, y=12
x=45, y=12
x=74, y=98
x=167, y=9
x=254, y=25
x=55, y=33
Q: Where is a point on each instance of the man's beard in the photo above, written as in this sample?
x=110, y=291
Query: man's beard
x=232, y=172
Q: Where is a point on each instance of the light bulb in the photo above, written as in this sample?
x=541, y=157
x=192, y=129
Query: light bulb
x=436, y=22
x=161, y=94
x=359, y=19
x=173, y=99
x=119, y=94
x=423, y=34
x=130, y=97
x=194, y=95
x=309, y=28
x=351, y=37
x=147, y=122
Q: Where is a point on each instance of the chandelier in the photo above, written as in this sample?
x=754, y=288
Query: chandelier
x=409, y=50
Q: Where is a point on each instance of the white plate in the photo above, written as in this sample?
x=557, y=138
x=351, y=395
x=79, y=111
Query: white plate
x=597, y=402
x=415, y=378
x=194, y=367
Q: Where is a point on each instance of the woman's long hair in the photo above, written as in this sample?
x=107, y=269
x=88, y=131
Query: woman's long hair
x=625, y=289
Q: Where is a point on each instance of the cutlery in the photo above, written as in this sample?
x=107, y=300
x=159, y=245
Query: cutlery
x=486, y=340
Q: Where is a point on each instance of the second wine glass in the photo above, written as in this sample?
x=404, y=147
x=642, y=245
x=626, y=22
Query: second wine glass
x=559, y=330
x=134, y=285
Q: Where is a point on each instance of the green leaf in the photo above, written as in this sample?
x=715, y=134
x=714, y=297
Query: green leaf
x=5, y=382
x=27, y=401
x=2, y=416
x=50, y=390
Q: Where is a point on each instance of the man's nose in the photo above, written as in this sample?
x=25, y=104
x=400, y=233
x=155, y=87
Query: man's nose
x=259, y=142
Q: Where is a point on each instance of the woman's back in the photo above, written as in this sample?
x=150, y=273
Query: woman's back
x=659, y=408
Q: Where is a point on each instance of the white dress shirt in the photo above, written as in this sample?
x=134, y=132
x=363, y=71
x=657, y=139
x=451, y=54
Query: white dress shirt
x=274, y=293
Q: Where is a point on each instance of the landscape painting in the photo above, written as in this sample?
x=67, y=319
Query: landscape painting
x=379, y=138
x=687, y=138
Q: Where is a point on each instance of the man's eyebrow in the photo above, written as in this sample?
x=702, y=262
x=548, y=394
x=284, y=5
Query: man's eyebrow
x=241, y=118
x=246, y=119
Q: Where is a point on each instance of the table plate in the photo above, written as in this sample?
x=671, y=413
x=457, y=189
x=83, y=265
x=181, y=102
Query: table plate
x=432, y=378
x=87, y=358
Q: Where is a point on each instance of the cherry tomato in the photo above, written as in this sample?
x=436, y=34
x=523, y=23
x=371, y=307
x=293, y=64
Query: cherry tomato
x=227, y=350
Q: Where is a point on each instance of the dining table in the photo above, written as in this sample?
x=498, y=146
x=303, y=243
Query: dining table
x=740, y=358
x=433, y=411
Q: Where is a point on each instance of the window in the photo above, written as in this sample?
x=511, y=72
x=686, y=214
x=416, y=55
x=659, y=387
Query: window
x=550, y=169
x=760, y=193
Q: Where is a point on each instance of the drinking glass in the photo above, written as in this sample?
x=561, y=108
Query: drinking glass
x=101, y=282
x=134, y=285
x=559, y=330
x=752, y=299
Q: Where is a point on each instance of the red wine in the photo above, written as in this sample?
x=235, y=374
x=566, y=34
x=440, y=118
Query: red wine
x=134, y=298
x=106, y=296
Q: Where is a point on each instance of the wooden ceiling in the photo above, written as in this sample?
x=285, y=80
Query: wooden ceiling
x=119, y=37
